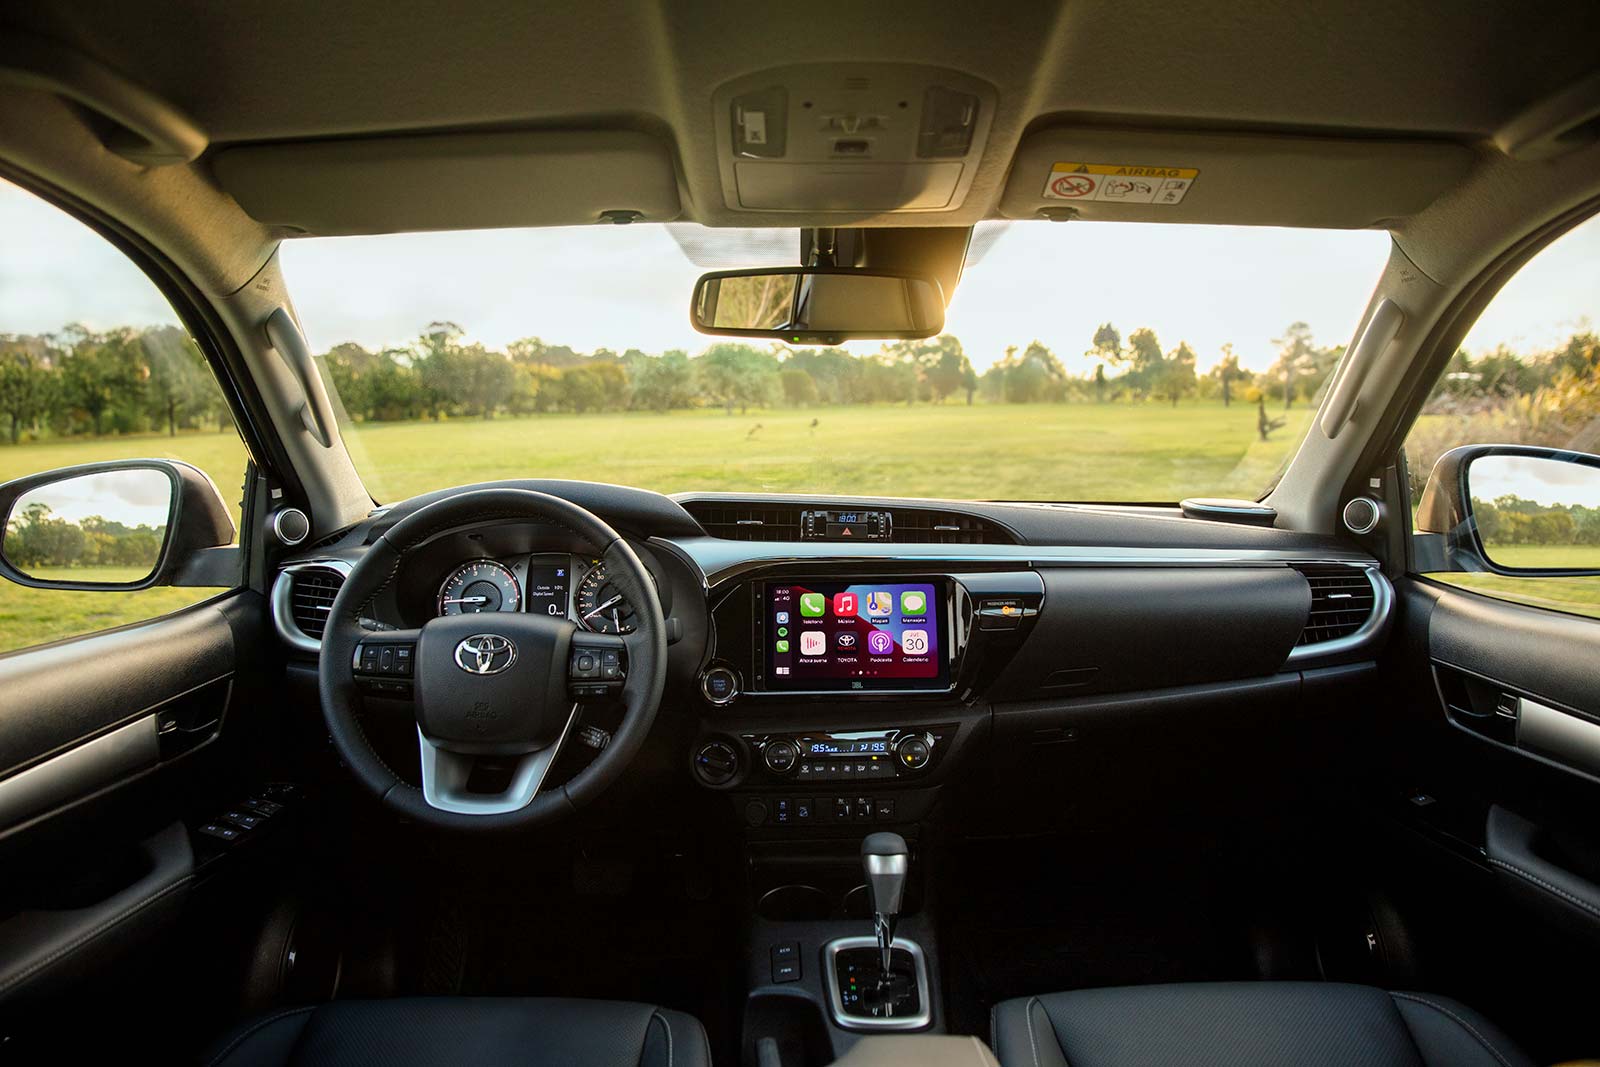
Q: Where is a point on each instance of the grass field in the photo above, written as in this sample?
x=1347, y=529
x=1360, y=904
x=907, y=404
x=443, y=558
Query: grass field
x=1023, y=452
x=1578, y=595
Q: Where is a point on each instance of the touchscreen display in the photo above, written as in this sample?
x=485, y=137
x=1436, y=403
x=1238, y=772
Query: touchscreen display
x=867, y=635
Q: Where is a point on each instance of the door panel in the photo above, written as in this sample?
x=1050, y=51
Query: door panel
x=109, y=744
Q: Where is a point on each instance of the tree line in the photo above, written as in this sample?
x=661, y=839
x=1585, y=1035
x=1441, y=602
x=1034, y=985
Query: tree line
x=38, y=537
x=1511, y=519
x=122, y=380
x=127, y=380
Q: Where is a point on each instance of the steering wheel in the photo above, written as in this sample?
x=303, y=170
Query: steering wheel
x=497, y=690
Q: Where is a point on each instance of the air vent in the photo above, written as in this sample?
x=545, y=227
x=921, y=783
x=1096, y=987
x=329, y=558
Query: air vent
x=747, y=522
x=756, y=521
x=914, y=526
x=1342, y=601
x=311, y=598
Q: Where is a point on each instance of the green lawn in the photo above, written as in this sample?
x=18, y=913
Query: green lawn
x=1578, y=595
x=1146, y=452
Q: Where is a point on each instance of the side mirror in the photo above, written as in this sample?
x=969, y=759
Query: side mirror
x=1511, y=509
x=129, y=524
x=818, y=305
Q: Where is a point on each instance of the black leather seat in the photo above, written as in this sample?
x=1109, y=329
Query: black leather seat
x=1245, y=1024
x=469, y=1032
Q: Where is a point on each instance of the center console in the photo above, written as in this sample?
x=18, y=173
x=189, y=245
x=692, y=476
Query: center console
x=835, y=704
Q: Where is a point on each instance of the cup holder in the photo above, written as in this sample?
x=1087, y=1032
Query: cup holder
x=791, y=903
x=858, y=903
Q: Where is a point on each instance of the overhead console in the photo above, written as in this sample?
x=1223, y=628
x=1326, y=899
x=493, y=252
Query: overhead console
x=851, y=138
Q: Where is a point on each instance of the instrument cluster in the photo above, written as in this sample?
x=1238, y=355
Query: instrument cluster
x=548, y=583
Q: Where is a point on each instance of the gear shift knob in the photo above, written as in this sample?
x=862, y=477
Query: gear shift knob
x=886, y=859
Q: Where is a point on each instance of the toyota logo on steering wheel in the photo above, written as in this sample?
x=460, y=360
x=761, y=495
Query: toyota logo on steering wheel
x=485, y=654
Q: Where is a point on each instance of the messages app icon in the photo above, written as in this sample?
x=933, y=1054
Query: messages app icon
x=813, y=605
x=913, y=602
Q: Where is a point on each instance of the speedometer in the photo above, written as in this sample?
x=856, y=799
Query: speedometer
x=482, y=585
x=601, y=605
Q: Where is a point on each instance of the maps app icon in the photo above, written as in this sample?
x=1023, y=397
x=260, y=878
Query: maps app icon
x=879, y=603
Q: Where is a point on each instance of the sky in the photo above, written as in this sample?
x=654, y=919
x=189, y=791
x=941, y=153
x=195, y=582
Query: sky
x=1543, y=481
x=132, y=497
x=623, y=287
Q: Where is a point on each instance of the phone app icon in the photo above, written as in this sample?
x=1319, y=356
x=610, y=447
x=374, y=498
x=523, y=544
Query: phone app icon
x=914, y=642
x=813, y=605
x=880, y=643
x=913, y=602
x=846, y=641
x=783, y=617
x=844, y=603
x=879, y=603
x=780, y=646
x=813, y=642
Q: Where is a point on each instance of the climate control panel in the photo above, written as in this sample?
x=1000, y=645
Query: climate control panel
x=866, y=757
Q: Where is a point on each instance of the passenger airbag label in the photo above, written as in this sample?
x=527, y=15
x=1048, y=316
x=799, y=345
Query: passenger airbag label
x=1122, y=183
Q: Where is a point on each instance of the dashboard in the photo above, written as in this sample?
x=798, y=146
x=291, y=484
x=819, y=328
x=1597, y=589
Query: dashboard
x=807, y=675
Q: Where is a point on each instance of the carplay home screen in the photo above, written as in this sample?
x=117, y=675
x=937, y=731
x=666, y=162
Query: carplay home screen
x=873, y=635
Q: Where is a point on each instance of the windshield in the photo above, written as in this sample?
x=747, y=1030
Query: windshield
x=1079, y=362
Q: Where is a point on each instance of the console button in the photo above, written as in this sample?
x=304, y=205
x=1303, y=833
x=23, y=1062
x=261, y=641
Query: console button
x=788, y=971
x=781, y=810
x=719, y=685
x=802, y=809
x=863, y=809
x=841, y=809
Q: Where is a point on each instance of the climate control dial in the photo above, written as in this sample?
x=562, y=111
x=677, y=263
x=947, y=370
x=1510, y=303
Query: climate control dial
x=914, y=751
x=781, y=755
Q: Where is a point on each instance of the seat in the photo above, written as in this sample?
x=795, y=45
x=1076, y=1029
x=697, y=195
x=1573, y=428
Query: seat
x=1245, y=1024
x=468, y=1032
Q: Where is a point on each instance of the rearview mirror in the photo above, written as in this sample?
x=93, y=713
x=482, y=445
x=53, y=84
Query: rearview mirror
x=818, y=305
x=1515, y=509
x=129, y=524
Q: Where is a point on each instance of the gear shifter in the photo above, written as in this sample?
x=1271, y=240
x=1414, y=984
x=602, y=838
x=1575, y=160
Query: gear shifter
x=886, y=859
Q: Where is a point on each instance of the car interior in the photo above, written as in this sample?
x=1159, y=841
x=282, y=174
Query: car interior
x=516, y=764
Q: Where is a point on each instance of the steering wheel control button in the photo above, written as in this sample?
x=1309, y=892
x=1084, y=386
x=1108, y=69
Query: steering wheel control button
x=596, y=672
x=384, y=666
x=781, y=756
x=716, y=763
x=913, y=752
x=719, y=685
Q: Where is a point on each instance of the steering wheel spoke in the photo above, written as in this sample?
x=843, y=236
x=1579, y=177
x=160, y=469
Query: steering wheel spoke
x=465, y=782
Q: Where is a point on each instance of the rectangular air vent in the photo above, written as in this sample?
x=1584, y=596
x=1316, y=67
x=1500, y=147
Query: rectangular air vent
x=756, y=521
x=311, y=598
x=747, y=522
x=914, y=526
x=1341, y=602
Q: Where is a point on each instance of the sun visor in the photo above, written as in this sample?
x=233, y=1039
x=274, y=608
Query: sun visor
x=1227, y=178
x=453, y=181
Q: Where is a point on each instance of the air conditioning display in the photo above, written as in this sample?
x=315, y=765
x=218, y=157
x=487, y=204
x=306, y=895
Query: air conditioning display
x=833, y=636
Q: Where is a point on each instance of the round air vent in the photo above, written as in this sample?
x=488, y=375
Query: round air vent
x=1362, y=515
x=291, y=526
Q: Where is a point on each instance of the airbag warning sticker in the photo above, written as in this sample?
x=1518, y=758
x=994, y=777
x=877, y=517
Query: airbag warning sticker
x=1119, y=183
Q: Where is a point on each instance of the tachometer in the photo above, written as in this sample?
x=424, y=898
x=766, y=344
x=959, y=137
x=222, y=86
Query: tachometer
x=482, y=585
x=601, y=605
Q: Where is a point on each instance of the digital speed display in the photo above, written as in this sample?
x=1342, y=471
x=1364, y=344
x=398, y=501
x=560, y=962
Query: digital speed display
x=863, y=635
